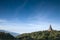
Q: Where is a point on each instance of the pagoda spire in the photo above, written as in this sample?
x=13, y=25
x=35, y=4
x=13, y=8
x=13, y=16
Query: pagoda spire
x=50, y=28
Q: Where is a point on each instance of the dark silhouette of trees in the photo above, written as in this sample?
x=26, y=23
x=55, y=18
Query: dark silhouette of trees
x=6, y=36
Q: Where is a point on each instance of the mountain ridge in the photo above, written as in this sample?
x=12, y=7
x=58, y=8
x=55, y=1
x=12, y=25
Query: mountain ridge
x=40, y=35
x=12, y=33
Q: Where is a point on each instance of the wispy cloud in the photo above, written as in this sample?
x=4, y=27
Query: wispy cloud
x=1, y=20
x=35, y=23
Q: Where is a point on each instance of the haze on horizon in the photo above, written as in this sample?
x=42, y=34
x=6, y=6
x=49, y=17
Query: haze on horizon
x=23, y=16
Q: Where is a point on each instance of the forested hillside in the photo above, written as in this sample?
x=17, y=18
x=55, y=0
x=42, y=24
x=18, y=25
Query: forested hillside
x=40, y=35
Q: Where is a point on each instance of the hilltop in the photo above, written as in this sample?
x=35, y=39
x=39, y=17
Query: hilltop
x=49, y=34
x=40, y=35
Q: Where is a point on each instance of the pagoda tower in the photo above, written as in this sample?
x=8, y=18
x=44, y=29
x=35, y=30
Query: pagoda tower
x=50, y=28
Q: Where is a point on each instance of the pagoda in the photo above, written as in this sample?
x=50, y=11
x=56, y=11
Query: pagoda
x=50, y=28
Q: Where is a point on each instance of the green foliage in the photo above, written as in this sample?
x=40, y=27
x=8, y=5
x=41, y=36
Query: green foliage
x=41, y=35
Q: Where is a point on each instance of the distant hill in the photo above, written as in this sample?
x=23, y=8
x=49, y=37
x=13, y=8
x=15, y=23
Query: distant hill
x=40, y=35
x=12, y=33
x=5, y=35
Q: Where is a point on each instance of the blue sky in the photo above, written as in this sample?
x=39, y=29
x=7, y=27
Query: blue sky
x=24, y=16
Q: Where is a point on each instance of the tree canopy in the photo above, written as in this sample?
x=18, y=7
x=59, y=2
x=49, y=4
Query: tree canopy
x=40, y=35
